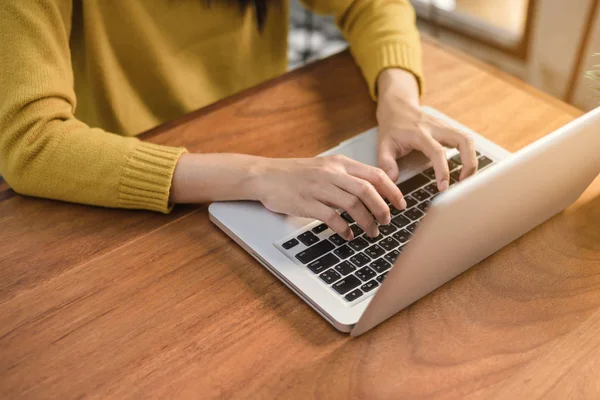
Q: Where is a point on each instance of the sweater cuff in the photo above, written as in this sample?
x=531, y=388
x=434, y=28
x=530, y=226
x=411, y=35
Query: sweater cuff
x=390, y=55
x=147, y=176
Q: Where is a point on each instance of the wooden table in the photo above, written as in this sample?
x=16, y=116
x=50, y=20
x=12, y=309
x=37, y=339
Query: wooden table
x=110, y=303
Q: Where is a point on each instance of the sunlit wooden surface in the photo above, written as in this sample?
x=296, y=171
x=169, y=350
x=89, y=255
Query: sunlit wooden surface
x=122, y=304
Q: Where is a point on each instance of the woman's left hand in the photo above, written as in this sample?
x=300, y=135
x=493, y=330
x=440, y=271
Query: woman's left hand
x=403, y=128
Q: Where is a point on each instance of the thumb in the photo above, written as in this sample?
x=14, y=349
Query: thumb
x=386, y=159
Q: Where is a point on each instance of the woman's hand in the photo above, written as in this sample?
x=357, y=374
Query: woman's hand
x=303, y=187
x=316, y=187
x=403, y=128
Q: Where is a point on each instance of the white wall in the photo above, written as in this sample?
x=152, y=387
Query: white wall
x=584, y=96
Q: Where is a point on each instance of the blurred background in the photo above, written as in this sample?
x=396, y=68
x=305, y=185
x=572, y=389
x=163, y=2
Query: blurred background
x=546, y=43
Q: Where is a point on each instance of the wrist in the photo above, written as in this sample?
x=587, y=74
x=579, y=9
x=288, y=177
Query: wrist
x=200, y=178
x=252, y=187
x=398, y=84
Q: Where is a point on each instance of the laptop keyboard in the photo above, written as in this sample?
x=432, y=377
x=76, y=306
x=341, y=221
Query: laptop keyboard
x=354, y=270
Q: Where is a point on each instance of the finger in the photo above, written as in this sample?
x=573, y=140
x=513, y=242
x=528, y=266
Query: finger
x=341, y=197
x=366, y=195
x=386, y=158
x=331, y=218
x=380, y=180
x=435, y=152
x=466, y=147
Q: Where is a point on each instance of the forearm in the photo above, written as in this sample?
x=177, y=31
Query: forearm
x=68, y=161
x=201, y=178
x=382, y=34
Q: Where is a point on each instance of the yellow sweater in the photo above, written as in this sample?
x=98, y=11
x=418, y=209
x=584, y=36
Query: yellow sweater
x=80, y=78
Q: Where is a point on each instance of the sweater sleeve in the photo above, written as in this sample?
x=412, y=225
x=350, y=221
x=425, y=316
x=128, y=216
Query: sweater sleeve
x=44, y=150
x=382, y=34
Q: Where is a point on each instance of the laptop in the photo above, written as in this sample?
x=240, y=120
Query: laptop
x=359, y=284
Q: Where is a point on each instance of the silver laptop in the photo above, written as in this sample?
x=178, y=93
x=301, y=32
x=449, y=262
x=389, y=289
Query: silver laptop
x=356, y=285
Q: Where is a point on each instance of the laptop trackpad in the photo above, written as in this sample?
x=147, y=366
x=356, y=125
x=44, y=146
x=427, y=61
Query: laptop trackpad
x=363, y=148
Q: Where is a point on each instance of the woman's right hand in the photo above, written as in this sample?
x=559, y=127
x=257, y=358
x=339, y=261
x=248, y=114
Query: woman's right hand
x=316, y=187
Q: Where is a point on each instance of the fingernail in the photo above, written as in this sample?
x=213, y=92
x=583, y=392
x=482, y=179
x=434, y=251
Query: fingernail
x=388, y=219
x=388, y=172
x=403, y=203
x=443, y=185
x=375, y=233
x=350, y=236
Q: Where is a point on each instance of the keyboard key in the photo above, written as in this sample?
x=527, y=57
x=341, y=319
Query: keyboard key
x=455, y=175
x=380, y=265
x=353, y=295
x=337, y=239
x=402, y=236
x=430, y=173
x=432, y=188
x=323, y=263
x=359, y=260
x=452, y=164
x=411, y=228
x=394, y=210
x=345, y=268
x=381, y=277
x=412, y=184
x=374, y=251
x=410, y=201
x=389, y=243
x=421, y=195
x=315, y=251
x=308, y=238
x=330, y=276
x=391, y=256
x=457, y=159
x=387, y=229
x=320, y=228
x=400, y=221
x=347, y=217
x=358, y=244
x=483, y=162
x=357, y=230
x=424, y=205
x=365, y=274
x=367, y=287
x=289, y=244
x=414, y=214
x=373, y=240
x=346, y=284
x=343, y=252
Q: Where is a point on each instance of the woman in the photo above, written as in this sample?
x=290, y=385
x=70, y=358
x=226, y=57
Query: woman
x=80, y=78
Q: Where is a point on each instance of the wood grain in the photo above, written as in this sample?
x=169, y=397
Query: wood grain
x=121, y=304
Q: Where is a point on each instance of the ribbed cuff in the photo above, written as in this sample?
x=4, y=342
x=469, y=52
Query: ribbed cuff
x=390, y=55
x=147, y=176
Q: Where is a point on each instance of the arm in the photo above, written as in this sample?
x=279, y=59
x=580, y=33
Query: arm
x=382, y=34
x=304, y=187
x=44, y=150
x=385, y=42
